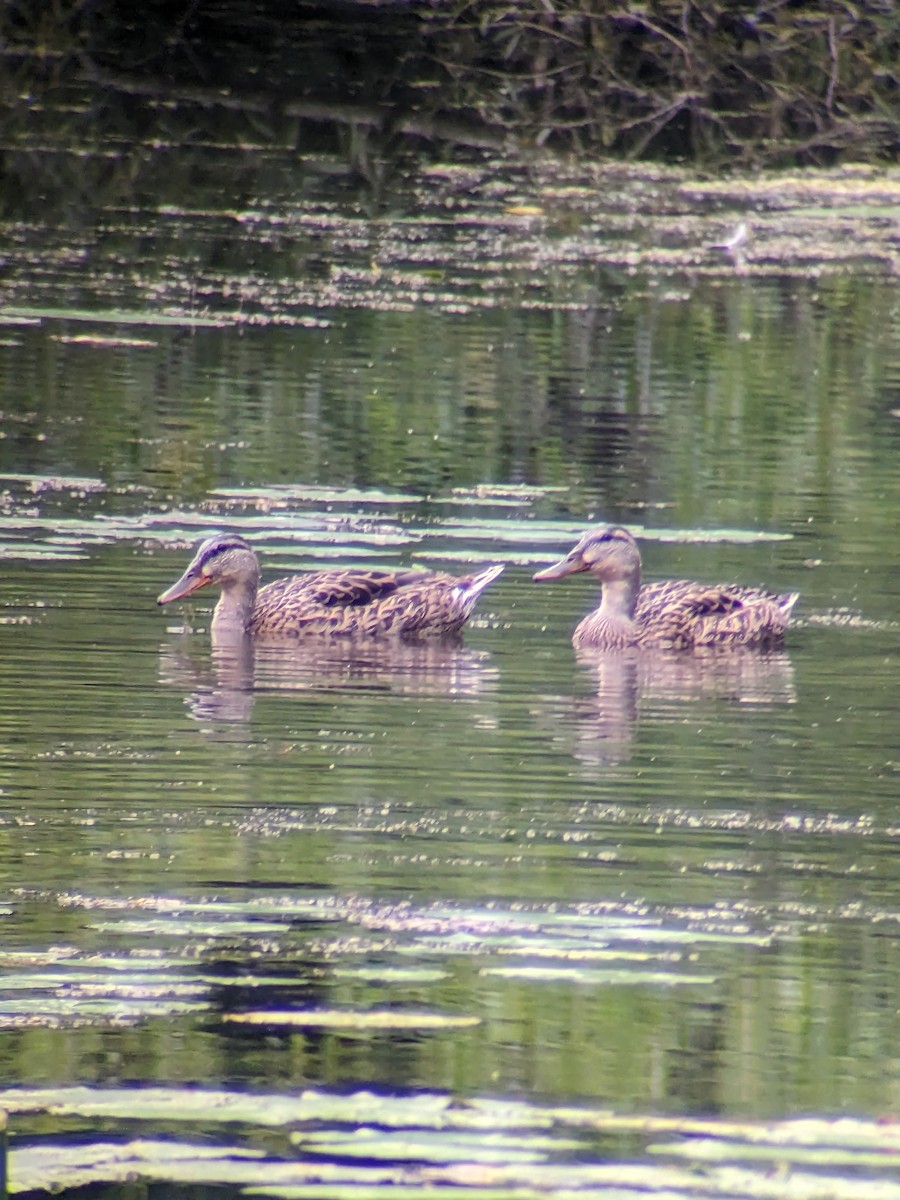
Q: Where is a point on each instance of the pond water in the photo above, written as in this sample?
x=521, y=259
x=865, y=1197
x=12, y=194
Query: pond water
x=656, y=885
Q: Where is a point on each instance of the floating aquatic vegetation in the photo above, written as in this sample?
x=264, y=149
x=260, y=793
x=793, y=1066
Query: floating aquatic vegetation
x=350, y=1021
x=104, y=341
x=174, y=945
x=428, y=1145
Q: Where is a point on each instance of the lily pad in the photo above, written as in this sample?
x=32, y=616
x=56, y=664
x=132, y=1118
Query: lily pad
x=387, y=1019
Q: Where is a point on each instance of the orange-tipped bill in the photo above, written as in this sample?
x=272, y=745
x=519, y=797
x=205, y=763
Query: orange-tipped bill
x=191, y=581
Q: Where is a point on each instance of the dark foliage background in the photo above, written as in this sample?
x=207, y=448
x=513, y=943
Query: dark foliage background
x=771, y=83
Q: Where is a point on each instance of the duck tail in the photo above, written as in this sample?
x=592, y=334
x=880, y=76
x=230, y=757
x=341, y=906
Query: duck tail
x=470, y=588
x=786, y=602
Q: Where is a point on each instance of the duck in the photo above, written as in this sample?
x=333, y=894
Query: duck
x=675, y=613
x=334, y=603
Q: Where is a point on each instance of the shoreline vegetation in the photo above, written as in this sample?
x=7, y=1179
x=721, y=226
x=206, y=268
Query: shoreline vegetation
x=778, y=84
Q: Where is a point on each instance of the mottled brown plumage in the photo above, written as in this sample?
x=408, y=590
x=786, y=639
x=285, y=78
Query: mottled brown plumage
x=336, y=603
x=676, y=613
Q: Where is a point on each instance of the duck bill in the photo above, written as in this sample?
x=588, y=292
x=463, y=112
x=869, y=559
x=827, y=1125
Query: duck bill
x=191, y=581
x=566, y=566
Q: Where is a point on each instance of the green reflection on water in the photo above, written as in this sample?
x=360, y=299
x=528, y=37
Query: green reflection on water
x=136, y=763
x=752, y=404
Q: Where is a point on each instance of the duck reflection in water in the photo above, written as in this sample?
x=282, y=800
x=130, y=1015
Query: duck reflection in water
x=224, y=684
x=651, y=685
x=218, y=686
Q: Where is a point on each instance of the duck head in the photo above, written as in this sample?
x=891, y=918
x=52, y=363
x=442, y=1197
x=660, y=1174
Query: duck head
x=608, y=552
x=224, y=559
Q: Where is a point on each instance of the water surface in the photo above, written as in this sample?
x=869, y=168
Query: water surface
x=649, y=883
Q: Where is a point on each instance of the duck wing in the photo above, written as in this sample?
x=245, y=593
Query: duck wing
x=334, y=589
x=433, y=605
x=682, y=613
x=368, y=602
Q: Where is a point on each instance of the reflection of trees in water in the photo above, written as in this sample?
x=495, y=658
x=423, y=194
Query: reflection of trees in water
x=634, y=684
x=224, y=685
x=536, y=400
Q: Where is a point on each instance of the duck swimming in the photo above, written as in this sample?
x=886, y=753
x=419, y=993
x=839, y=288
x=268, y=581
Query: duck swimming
x=676, y=613
x=343, y=602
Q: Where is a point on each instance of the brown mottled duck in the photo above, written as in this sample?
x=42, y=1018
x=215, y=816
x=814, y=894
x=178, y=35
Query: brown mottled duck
x=342, y=602
x=677, y=613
